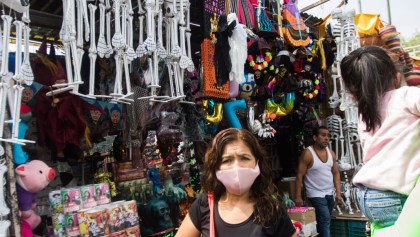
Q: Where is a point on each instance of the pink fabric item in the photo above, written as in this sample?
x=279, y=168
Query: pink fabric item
x=391, y=153
x=241, y=16
x=25, y=229
x=300, y=209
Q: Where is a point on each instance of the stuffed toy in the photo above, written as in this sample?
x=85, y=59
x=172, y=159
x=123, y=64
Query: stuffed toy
x=31, y=178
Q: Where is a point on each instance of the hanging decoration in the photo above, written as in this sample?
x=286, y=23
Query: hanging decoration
x=294, y=28
x=230, y=109
x=12, y=85
x=246, y=13
x=312, y=88
x=217, y=114
x=283, y=108
x=262, y=19
x=212, y=9
x=262, y=65
x=260, y=57
x=209, y=73
x=238, y=49
x=247, y=87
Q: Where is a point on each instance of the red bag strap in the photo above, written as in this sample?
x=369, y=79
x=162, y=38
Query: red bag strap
x=210, y=199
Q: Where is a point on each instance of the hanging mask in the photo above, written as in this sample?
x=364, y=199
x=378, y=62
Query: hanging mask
x=238, y=180
x=247, y=87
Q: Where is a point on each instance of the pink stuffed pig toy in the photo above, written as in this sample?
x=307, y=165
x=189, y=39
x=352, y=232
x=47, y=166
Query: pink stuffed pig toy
x=31, y=178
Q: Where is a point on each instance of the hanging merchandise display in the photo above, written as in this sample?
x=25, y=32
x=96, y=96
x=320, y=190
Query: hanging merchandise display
x=238, y=48
x=390, y=37
x=209, y=73
x=262, y=19
x=13, y=125
x=343, y=131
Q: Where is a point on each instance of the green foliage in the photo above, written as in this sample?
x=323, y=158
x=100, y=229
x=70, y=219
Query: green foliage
x=412, y=44
x=414, y=40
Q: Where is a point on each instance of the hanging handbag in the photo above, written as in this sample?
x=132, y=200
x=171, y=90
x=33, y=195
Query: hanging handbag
x=210, y=199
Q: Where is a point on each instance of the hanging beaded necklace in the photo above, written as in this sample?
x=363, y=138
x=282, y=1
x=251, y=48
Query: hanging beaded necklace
x=265, y=64
x=312, y=94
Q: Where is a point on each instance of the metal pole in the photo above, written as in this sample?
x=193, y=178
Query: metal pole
x=11, y=180
x=389, y=12
x=313, y=5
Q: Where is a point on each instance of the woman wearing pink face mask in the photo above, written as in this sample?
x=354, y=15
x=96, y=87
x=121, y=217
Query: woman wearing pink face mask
x=246, y=203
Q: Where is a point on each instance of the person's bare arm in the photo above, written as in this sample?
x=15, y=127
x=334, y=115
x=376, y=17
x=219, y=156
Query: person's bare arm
x=304, y=162
x=187, y=228
x=336, y=178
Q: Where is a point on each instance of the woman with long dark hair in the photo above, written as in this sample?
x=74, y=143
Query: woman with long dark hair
x=389, y=130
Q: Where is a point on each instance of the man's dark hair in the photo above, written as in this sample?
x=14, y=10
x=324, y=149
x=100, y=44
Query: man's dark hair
x=315, y=132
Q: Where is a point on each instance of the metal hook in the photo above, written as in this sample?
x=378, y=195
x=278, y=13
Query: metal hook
x=10, y=11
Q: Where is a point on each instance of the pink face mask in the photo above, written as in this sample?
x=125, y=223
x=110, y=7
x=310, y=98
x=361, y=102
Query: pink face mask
x=238, y=180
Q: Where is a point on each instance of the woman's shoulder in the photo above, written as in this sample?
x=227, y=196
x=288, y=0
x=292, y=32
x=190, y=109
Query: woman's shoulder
x=203, y=197
x=199, y=211
x=201, y=202
x=408, y=91
x=405, y=95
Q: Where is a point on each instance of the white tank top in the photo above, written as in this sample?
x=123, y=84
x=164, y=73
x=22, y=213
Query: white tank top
x=319, y=179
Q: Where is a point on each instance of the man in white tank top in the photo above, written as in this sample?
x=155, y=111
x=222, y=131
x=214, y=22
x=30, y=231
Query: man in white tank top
x=318, y=169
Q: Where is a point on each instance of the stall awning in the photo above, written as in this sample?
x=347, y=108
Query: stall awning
x=367, y=24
